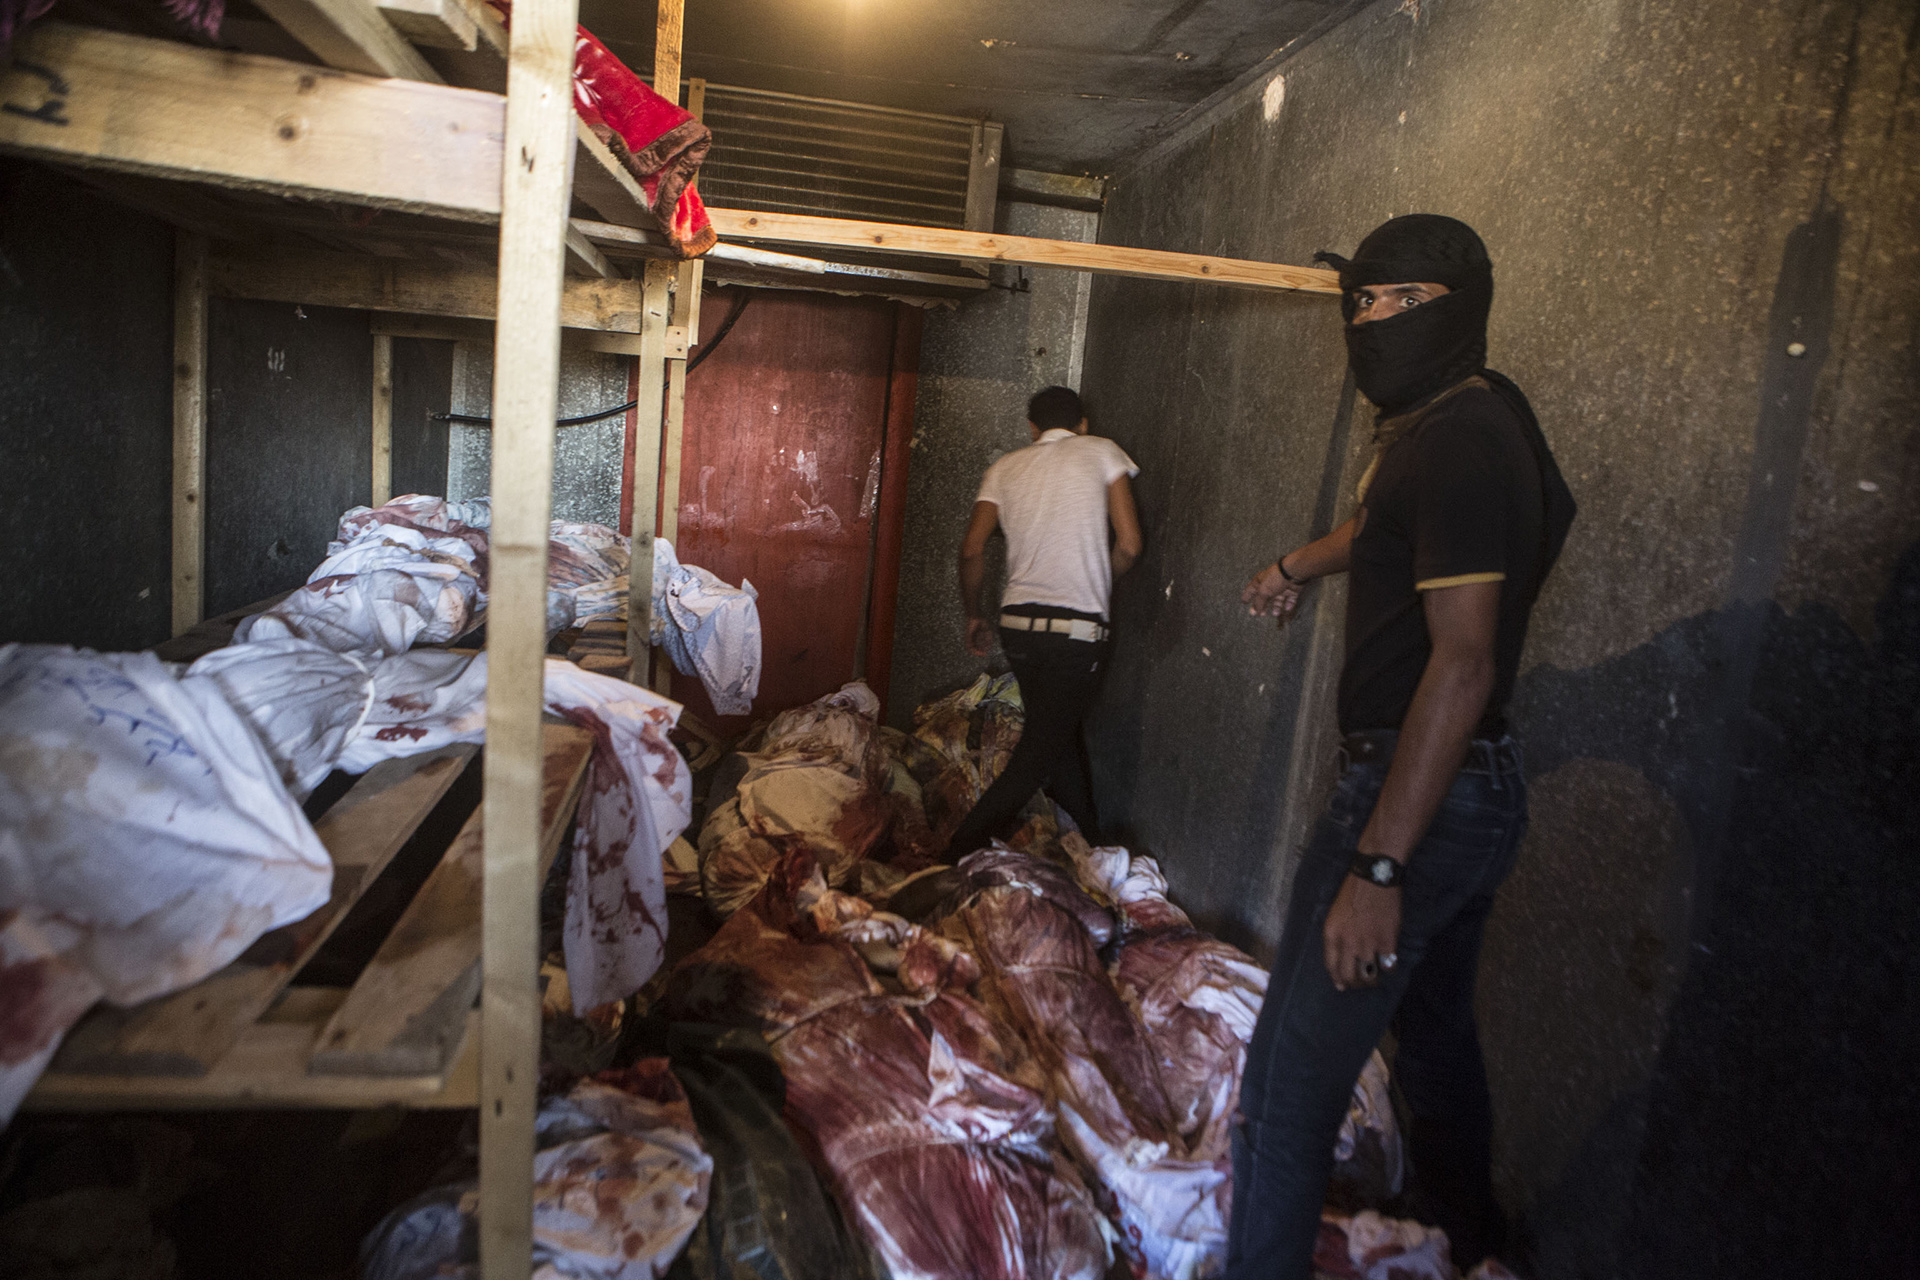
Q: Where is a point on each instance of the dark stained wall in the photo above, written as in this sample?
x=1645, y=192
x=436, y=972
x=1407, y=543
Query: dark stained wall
x=1698, y=986
x=289, y=441
x=422, y=387
x=86, y=403
x=86, y=433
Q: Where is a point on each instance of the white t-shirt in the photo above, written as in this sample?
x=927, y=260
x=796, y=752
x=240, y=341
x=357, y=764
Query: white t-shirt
x=1052, y=497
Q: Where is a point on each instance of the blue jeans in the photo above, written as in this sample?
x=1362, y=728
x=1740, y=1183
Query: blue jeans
x=1311, y=1040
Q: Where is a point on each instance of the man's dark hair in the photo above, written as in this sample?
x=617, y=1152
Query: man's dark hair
x=1055, y=407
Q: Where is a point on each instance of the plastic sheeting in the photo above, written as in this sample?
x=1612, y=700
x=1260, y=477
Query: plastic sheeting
x=768, y=1216
x=619, y=1183
x=708, y=628
x=146, y=839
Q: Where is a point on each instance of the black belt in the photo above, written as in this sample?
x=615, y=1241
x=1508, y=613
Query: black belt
x=1375, y=746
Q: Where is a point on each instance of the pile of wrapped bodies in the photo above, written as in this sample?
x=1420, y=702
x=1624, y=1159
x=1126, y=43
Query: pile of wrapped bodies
x=924, y=1114
x=818, y=783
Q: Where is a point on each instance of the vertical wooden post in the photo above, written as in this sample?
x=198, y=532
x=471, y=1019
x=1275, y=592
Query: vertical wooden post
x=536, y=186
x=685, y=314
x=382, y=418
x=644, y=497
x=189, y=428
x=666, y=49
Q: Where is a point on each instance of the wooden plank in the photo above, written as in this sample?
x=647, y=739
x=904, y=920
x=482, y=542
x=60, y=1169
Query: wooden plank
x=99, y=98
x=543, y=139
x=940, y=242
x=382, y=419
x=191, y=1030
x=404, y=1015
x=351, y=35
x=408, y=285
x=983, y=176
x=267, y=1070
x=189, y=428
x=669, y=24
x=643, y=499
x=685, y=315
x=437, y=24
x=585, y=259
x=603, y=184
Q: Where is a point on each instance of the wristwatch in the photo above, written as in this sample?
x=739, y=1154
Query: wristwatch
x=1378, y=869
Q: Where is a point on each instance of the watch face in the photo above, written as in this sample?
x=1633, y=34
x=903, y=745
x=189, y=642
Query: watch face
x=1382, y=872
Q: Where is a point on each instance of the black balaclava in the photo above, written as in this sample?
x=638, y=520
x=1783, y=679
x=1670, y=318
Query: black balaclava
x=1400, y=361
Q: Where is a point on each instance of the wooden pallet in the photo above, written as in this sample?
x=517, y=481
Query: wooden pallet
x=402, y=1034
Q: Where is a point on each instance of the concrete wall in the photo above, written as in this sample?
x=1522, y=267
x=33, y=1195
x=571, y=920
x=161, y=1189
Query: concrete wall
x=978, y=364
x=1697, y=989
x=586, y=459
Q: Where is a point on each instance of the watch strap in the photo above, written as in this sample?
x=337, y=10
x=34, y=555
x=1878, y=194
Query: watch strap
x=1378, y=869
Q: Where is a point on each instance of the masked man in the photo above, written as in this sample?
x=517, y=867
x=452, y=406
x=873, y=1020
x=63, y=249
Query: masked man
x=1462, y=515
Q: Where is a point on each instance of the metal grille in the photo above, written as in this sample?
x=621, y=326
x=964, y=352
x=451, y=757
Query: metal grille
x=784, y=154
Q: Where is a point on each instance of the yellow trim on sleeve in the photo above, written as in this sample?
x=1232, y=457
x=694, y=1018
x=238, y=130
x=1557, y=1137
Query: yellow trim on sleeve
x=1458, y=580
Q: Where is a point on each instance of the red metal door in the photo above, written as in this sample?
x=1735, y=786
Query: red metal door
x=792, y=476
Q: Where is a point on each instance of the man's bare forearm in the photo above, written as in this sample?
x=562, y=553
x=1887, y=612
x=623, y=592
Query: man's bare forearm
x=1446, y=706
x=1122, y=560
x=1331, y=554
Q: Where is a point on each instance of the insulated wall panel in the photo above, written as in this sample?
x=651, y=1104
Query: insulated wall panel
x=85, y=414
x=289, y=441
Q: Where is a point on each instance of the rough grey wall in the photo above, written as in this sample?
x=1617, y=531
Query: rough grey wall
x=586, y=459
x=86, y=413
x=1697, y=989
x=422, y=387
x=978, y=364
x=289, y=441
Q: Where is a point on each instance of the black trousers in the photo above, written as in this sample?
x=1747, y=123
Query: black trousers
x=1059, y=679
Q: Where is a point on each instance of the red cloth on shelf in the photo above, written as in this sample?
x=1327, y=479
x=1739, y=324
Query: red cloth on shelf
x=660, y=144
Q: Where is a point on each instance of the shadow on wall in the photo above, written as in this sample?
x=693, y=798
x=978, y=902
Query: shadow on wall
x=1766, y=1122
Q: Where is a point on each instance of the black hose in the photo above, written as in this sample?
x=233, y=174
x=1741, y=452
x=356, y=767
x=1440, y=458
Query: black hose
x=706, y=349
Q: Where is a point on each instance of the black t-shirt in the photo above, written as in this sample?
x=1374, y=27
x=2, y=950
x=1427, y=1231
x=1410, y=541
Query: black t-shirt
x=1455, y=499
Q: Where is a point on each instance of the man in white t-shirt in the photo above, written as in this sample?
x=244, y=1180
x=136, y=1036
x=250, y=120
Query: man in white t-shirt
x=1055, y=499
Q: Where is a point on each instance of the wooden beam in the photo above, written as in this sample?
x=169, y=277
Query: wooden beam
x=99, y=98
x=643, y=499
x=940, y=242
x=382, y=419
x=983, y=176
x=689, y=278
x=604, y=185
x=585, y=259
x=351, y=35
x=669, y=25
x=541, y=138
x=409, y=285
x=437, y=24
x=189, y=428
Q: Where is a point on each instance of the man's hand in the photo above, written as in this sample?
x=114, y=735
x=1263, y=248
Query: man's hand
x=1363, y=924
x=979, y=637
x=1270, y=595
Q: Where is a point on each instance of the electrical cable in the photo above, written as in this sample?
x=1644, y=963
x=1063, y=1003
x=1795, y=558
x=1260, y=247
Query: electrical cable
x=706, y=349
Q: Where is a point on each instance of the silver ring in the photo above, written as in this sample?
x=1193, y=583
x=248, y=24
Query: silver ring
x=1389, y=960
x=1368, y=969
